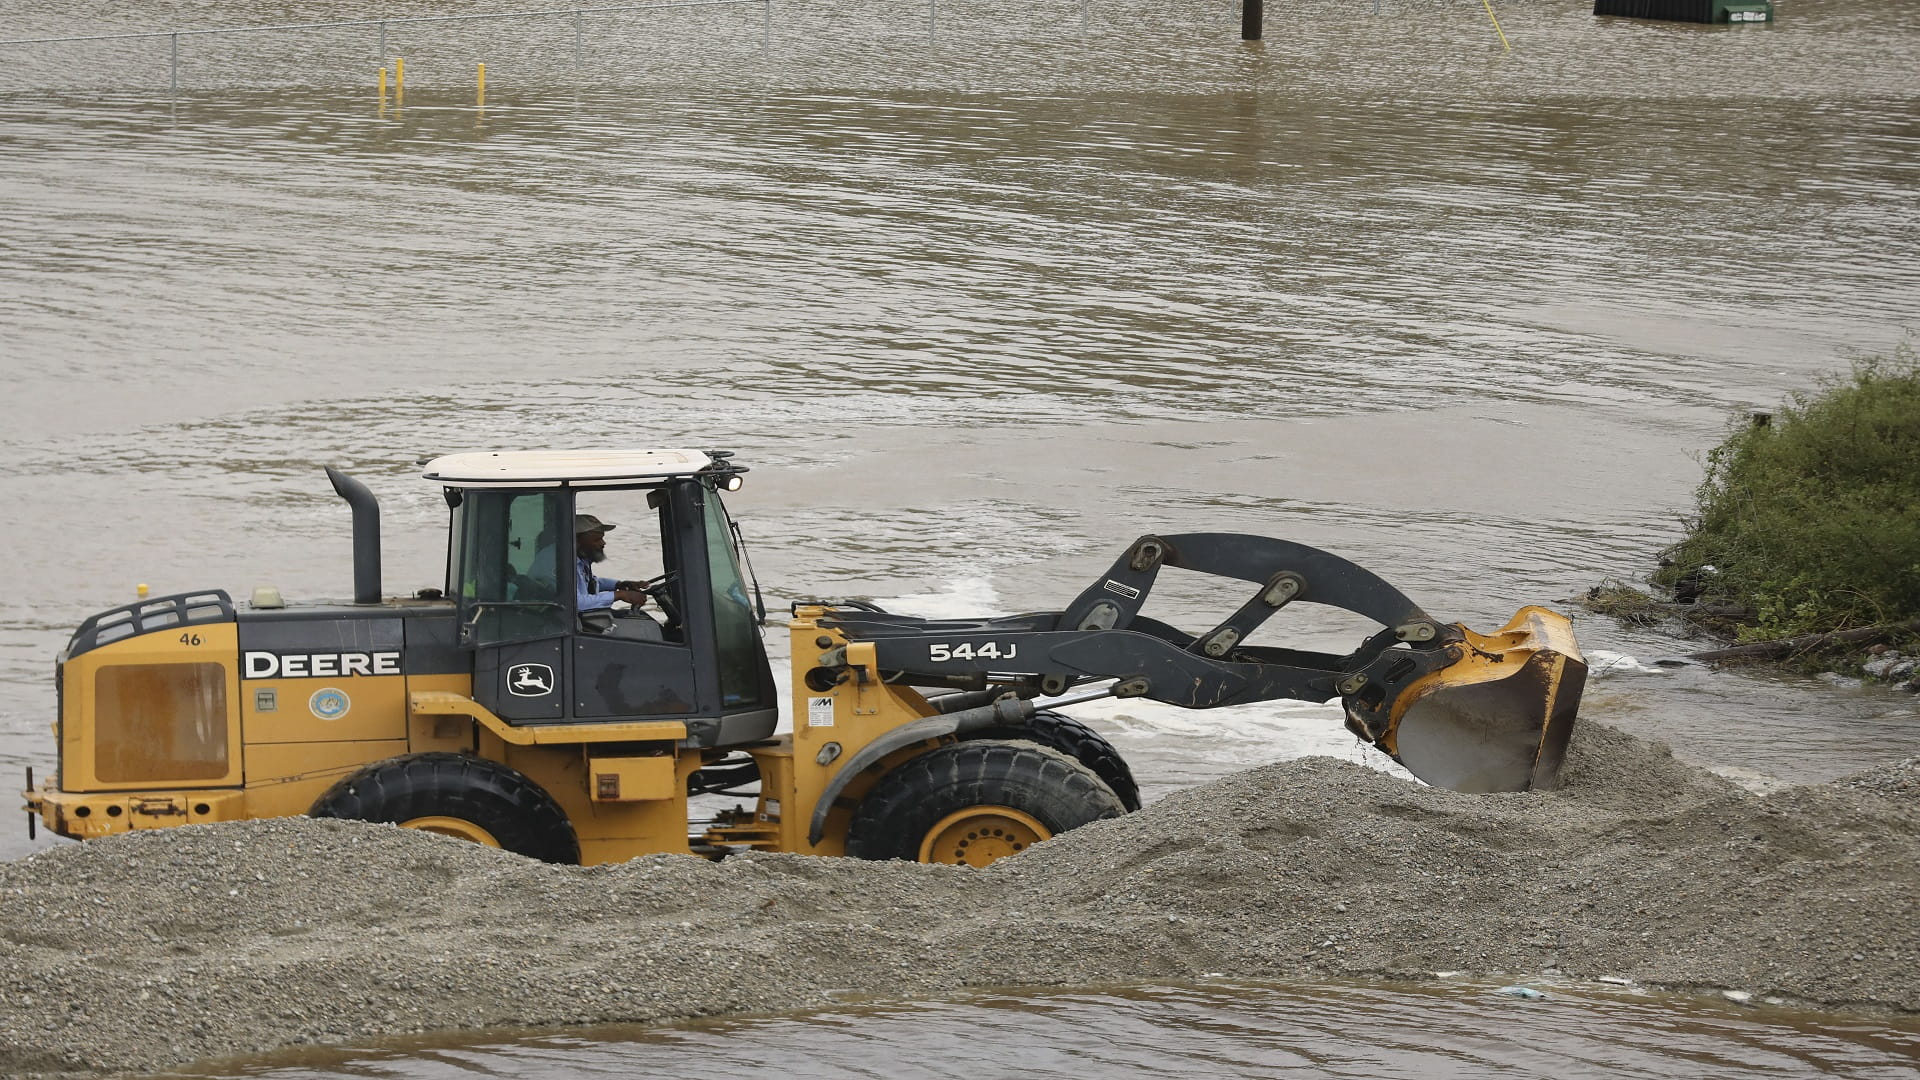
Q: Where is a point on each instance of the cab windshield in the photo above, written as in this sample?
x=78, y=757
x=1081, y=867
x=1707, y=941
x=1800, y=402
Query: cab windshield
x=735, y=624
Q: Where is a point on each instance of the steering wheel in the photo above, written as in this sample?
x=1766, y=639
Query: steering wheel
x=664, y=598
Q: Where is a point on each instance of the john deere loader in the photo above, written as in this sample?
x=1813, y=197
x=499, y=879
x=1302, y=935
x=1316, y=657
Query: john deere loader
x=512, y=708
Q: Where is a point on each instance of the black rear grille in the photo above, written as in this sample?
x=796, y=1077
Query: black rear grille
x=148, y=616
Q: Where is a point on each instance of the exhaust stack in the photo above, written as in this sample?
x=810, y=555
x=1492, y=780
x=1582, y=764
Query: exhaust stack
x=366, y=535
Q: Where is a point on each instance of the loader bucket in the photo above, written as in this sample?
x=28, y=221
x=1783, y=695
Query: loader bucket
x=1497, y=719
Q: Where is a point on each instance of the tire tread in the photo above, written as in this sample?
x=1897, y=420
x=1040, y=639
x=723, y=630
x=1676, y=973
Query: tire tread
x=1078, y=741
x=1039, y=780
x=499, y=799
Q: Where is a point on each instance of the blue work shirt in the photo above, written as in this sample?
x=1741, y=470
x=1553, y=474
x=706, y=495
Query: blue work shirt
x=595, y=593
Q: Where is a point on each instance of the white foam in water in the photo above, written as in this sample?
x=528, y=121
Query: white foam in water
x=1601, y=662
x=963, y=597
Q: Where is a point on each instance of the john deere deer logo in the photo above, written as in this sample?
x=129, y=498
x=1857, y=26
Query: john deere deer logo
x=530, y=680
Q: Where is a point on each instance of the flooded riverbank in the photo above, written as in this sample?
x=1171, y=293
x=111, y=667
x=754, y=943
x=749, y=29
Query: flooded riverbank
x=977, y=311
x=1217, y=1028
x=156, y=947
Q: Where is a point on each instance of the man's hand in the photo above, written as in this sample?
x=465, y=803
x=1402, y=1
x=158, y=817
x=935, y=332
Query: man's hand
x=636, y=597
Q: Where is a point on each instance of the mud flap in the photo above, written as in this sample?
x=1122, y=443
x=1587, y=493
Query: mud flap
x=1498, y=718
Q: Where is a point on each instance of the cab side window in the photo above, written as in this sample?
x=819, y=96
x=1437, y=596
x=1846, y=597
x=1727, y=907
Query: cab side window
x=511, y=566
x=534, y=558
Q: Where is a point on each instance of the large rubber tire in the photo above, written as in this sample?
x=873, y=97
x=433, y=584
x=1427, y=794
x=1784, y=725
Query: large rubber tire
x=1078, y=741
x=458, y=795
x=1019, y=792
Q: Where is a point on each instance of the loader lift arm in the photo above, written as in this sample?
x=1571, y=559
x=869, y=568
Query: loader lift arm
x=1490, y=712
x=1102, y=635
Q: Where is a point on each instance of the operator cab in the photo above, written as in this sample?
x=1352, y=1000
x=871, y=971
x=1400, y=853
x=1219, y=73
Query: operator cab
x=549, y=648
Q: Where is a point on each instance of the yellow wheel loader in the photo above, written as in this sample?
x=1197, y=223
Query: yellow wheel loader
x=521, y=706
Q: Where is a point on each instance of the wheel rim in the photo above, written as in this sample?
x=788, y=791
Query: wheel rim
x=978, y=835
x=459, y=828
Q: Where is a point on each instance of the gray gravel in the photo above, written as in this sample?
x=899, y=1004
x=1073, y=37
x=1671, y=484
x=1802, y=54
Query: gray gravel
x=157, y=948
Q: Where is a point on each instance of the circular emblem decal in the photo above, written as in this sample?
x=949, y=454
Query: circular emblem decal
x=329, y=704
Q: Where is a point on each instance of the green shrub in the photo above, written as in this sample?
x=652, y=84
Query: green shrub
x=1813, y=520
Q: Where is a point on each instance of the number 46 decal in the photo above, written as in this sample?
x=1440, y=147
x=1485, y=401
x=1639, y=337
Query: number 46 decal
x=986, y=650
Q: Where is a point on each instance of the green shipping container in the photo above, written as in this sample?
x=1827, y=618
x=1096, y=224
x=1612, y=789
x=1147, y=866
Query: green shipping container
x=1741, y=11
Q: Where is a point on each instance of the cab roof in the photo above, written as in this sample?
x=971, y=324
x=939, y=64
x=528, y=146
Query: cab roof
x=565, y=468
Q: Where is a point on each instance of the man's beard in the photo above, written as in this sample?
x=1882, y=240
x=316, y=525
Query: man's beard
x=594, y=556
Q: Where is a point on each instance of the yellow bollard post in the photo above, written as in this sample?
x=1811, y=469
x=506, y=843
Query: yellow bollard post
x=399, y=75
x=141, y=591
x=481, y=90
x=383, y=84
x=1496, y=25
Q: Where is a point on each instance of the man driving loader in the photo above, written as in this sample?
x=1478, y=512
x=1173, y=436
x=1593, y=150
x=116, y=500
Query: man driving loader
x=490, y=711
x=590, y=546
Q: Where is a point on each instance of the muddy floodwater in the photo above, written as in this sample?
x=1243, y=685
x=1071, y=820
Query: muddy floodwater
x=980, y=292
x=1222, y=1030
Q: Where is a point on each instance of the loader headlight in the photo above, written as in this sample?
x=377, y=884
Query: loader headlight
x=731, y=483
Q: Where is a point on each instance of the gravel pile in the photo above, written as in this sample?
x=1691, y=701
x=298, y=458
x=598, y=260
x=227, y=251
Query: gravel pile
x=157, y=948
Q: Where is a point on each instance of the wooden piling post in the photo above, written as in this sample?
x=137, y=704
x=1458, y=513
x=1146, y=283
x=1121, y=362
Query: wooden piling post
x=1251, y=16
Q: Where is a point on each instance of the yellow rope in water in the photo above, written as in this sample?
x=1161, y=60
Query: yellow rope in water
x=1496, y=26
